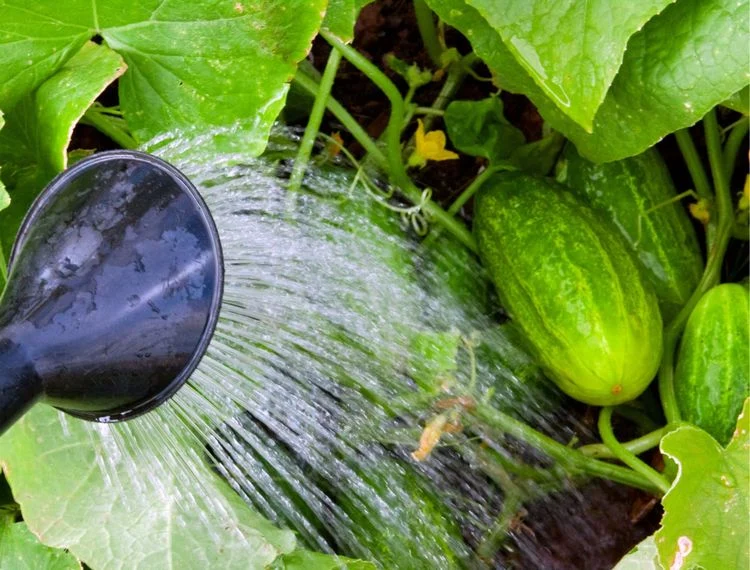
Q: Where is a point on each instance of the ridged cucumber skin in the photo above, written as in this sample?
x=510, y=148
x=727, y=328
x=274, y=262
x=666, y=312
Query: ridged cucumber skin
x=572, y=287
x=712, y=378
x=622, y=191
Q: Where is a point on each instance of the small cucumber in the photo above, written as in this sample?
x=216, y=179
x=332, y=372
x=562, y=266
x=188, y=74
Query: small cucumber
x=663, y=240
x=712, y=378
x=572, y=287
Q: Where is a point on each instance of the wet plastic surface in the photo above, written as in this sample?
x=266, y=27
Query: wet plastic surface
x=113, y=293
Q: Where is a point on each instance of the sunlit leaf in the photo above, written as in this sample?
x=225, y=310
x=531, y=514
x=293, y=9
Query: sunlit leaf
x=682, y=63
x=571, y=49
x=191, y=66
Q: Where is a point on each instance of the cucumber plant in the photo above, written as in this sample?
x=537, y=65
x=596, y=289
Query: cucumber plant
x=584, y=301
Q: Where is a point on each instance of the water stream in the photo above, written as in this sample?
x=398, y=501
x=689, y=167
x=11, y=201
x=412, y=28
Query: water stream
x=339, y=339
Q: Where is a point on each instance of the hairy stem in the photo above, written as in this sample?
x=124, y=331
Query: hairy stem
x=314, y=120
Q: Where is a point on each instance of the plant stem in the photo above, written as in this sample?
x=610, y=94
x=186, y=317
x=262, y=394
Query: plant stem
x=736, y=136
x=395, y=164
x=337, y=109
x=566, y=456
x=694, y=164
x=625, y=455
x=636, y=446
x=112, y=127
x=464, y=197
x=426, y=25
x=429, y=111
x=711, y=274
x=314, y=120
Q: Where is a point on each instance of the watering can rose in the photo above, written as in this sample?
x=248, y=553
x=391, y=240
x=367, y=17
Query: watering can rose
x=572, y=287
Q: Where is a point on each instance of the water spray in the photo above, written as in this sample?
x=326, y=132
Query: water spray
x=114, y=288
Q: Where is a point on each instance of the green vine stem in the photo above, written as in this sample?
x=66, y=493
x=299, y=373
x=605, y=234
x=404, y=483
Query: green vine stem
x=636, y=446
x=109, y=124
x=457, y=72
x=711, y=274
x=426, y=25
x=625, y=455
x=466, y=195
x=735, y=139
x=694, y=164
x=395, y=164
x=569, y=458
x=350, y=124
x=314, y=120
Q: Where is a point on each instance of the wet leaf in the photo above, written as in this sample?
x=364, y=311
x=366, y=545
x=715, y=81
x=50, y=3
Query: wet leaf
x=34, y=142
x=479, y=128
x=191, y=66
x=109, y=495
x=643, y=557
x=682, y=63
x=571, y=49
x=706, y=510
x=21, y=550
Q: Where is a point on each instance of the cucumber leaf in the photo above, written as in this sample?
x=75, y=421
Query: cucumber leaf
x=705, y=511
x=341, y=16
x=191, y=66
x=571, y=49
x=643, y=557
x=682, y=63
x=34, y=142
x=113, y=501
x=479, y=128
x=21, y=550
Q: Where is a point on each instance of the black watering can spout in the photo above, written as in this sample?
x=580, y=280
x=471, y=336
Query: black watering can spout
x=114, y=289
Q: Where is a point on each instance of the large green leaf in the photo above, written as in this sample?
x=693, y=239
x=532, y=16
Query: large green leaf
x=571, y=49
x=34, y=142
x=682, y=63
x=195, y=65
x=21, y=550
x=112, y=495
x=705, y=523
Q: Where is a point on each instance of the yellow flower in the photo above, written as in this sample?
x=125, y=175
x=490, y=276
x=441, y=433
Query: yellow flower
x=430, y=146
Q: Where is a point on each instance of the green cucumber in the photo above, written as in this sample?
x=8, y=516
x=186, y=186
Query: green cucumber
x=663, y=240
x=572, y=287
x=712, y=378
